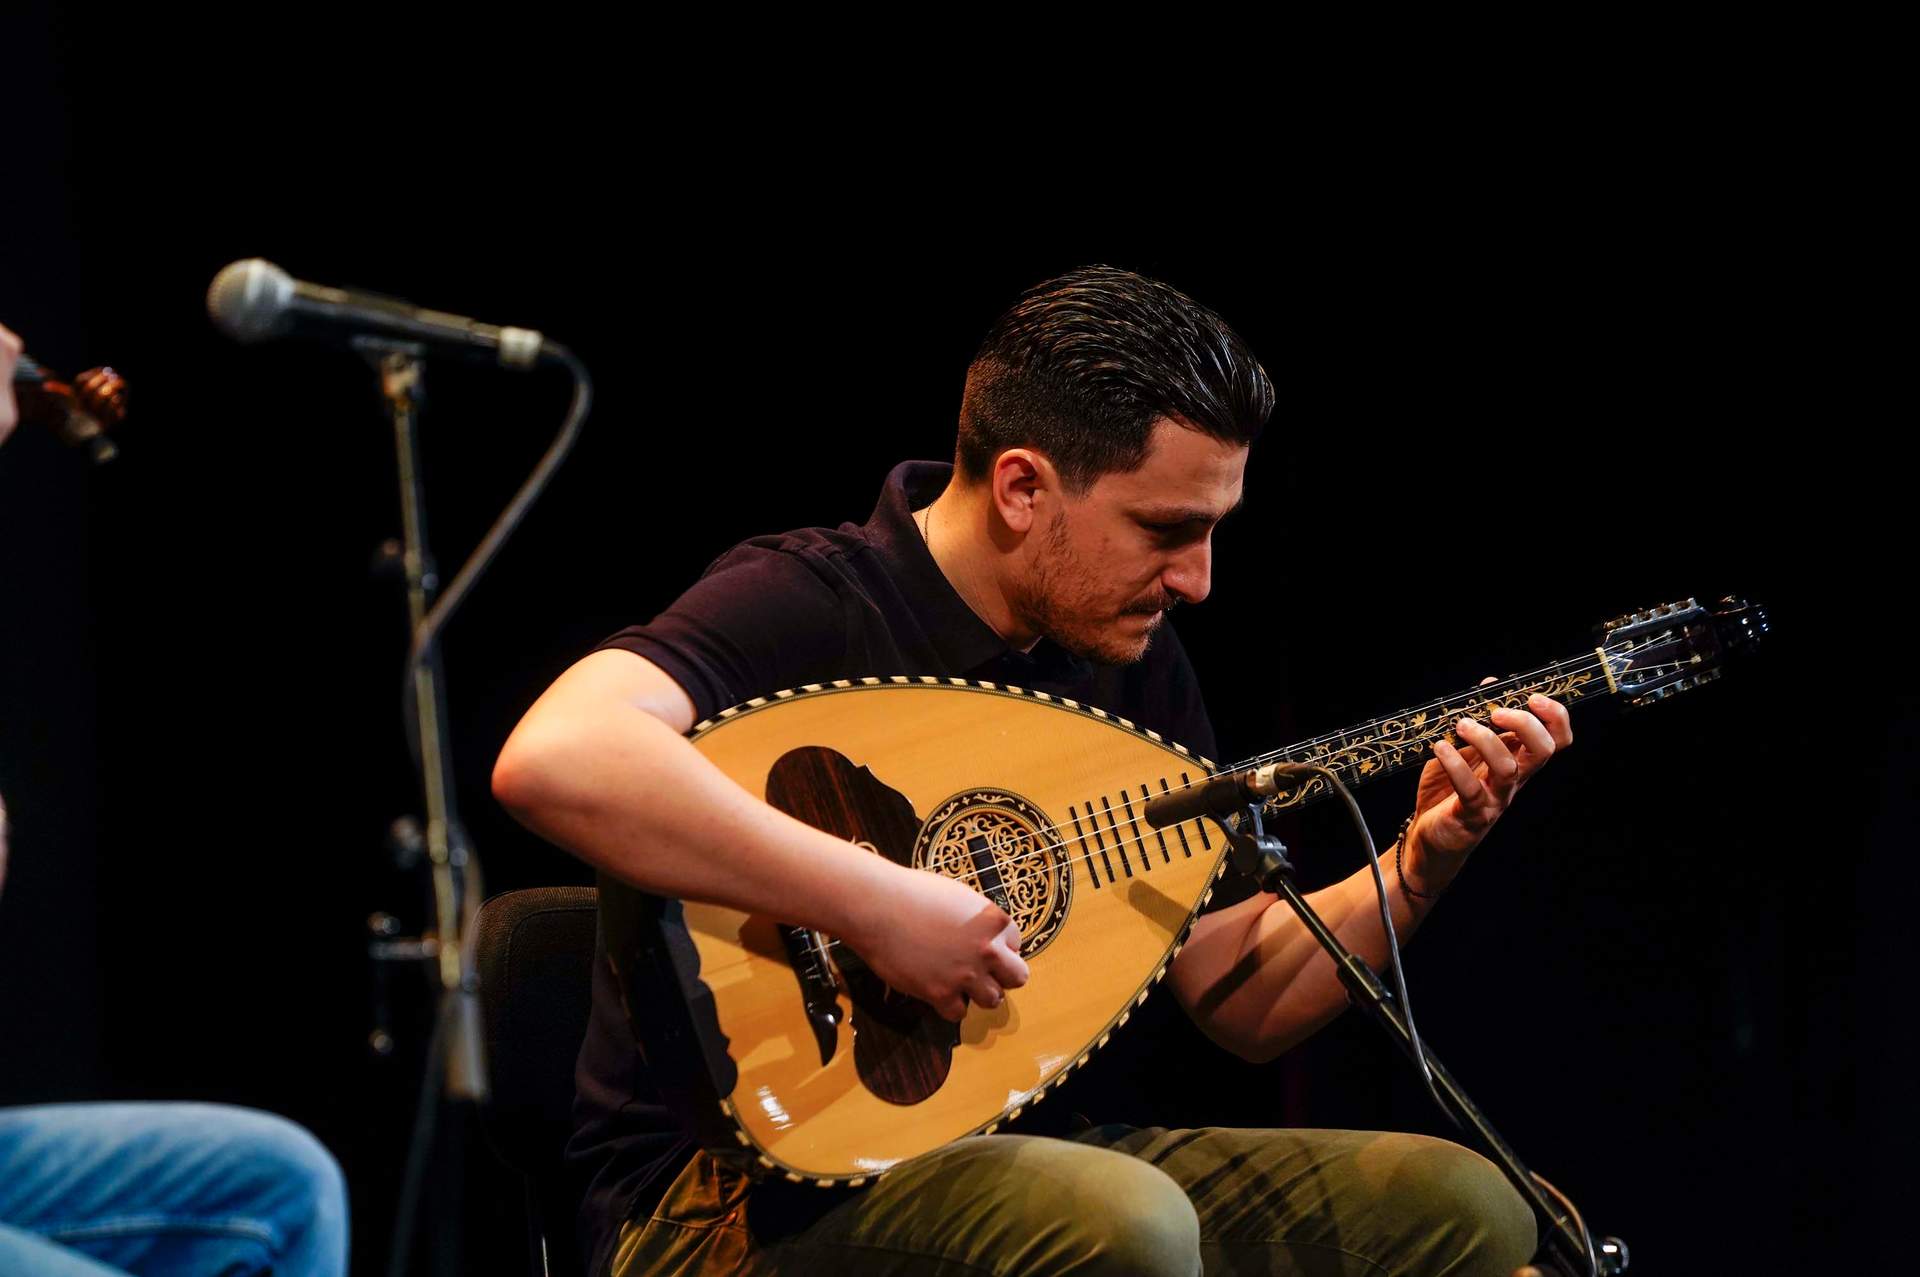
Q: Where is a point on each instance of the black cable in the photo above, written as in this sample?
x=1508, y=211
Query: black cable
x=425, y=633
x=1586, y=1237
x=1406, y=1006
x=1393, y=939
x=420, y=1147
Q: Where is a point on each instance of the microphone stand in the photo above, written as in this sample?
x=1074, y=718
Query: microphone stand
x=1263, y=857
x=457, y=1038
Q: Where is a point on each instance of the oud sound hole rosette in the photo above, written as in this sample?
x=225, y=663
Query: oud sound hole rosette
x=1033, y=869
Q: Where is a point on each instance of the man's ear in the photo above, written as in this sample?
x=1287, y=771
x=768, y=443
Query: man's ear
x=1023, y=482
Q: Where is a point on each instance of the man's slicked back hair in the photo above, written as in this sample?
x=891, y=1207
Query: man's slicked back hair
x=1082, y=366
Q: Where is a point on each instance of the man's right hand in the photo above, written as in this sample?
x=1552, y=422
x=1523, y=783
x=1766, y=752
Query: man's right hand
x=940, y=941
x=568, y=773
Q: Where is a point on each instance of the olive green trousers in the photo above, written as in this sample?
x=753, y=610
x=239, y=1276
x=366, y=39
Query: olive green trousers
x=1122, y=1201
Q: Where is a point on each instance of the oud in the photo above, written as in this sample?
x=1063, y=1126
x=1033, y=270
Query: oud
x=785, y=1051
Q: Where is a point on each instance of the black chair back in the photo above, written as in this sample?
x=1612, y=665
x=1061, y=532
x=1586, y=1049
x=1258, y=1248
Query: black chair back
x=534, y=954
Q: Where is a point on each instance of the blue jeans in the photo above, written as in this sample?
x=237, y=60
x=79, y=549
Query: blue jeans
x=95, y=1189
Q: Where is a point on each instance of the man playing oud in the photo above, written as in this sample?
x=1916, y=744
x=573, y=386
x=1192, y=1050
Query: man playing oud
x=1103, y=435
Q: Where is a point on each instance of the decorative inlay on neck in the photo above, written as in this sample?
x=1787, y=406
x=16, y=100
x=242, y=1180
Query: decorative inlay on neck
x=1644, y=657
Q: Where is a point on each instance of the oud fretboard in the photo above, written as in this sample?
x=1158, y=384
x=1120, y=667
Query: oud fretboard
x=1368, y=751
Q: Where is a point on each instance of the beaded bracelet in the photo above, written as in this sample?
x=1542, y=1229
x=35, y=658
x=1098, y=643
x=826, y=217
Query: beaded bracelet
x=1400, y=842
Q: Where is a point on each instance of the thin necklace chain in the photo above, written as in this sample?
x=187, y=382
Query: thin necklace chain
x=926, y=537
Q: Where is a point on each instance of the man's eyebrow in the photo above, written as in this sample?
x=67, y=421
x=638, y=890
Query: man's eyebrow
x=1186, y=513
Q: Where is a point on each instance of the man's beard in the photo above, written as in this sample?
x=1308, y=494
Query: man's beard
x=1054, y=602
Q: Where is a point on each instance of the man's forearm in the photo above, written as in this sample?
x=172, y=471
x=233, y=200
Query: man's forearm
x=628, y=794
x=1256, y=981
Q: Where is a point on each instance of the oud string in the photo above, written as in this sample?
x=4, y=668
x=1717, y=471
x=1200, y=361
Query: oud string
x=1437, y=731
x=1108, y=841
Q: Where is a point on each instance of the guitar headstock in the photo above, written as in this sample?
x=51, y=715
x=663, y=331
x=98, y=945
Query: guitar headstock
x=1654, y=654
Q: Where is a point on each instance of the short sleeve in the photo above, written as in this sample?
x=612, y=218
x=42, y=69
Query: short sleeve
x=758, y=621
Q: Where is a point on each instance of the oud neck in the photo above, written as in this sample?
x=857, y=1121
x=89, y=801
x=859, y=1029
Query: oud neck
x=1383, y=746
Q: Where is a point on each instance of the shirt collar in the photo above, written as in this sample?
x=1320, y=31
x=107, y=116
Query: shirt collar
x=966, y=643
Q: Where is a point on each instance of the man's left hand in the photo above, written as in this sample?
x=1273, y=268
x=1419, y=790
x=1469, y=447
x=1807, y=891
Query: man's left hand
x=1464, y=789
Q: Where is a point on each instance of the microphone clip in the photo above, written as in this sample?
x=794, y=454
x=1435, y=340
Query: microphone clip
x=1254, y=852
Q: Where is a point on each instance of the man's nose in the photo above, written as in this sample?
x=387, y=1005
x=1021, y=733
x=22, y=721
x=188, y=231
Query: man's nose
x=1190, y=576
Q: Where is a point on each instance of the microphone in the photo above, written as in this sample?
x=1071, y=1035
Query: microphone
x=253, y=300
x=1222, y=795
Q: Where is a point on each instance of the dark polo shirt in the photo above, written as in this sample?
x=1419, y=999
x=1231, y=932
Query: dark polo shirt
x=810, y=606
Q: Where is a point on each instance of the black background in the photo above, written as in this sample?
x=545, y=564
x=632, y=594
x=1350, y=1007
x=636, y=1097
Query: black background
x=1525, y=383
